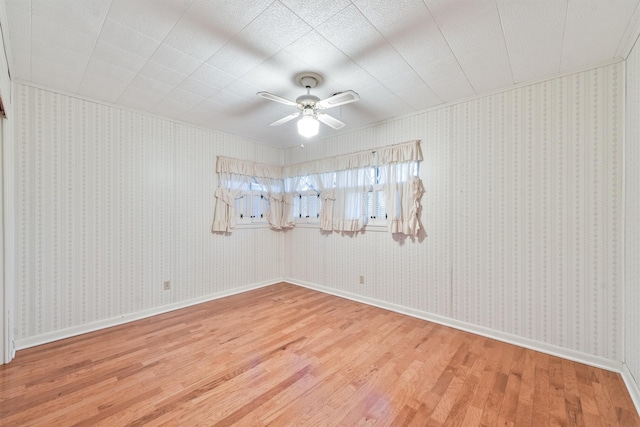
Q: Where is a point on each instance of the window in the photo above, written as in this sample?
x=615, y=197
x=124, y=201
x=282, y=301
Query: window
x=376, y=198
x=252, y=205
x=251, y=208
x=306, y=201
x=306, y=207
x=376, y=206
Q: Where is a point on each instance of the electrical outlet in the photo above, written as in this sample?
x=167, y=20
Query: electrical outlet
x=362, y=280
x=167, y=285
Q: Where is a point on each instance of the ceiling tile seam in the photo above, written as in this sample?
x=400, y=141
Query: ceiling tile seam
x=320, y=23
x=84, y=72
x=106, y=63
x=450, y=49
x=30, y=38
x=504, y=40
x=400, y=55
x=167, y=99
x=631, y=47
x=564, y=34
x=356, y=62
x=274, y=54
x=6, y=36
x=4, y=48
x=229, y=41
x=153, y=53
x=630, y=35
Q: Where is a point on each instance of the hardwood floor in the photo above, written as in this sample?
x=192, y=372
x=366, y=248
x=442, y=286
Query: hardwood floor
x=285, y=355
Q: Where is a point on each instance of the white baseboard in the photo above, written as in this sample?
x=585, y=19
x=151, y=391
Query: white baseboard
x=115, y=321
x=632, y=386
x=566, y=353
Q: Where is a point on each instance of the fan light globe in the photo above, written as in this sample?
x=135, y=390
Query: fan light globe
x=308, y=126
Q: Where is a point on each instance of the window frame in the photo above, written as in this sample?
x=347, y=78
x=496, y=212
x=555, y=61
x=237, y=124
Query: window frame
x=306, y=195
x=255, y=219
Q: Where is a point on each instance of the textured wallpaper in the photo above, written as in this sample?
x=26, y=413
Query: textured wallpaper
x=414, y=274
x=537, y=211
x=111, y=203
x=522, y=209
x=632, y=215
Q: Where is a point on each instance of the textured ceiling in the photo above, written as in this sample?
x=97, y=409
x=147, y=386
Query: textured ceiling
x=202, y=61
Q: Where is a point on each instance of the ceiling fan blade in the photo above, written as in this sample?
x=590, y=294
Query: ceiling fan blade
x=338, y=99
x=285, y=119
x=276, y=98
x=330, y=121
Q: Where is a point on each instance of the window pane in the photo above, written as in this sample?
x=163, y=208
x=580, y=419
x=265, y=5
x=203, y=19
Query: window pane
x=239, y=205
x=381, y=204
x=304, y=210
x=256, y=206
x=296, y=206
x=313, y=205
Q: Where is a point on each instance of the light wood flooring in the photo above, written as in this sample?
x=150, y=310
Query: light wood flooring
x=285, y=355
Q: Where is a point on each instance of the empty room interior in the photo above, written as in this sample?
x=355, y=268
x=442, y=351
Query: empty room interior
x=348, y=212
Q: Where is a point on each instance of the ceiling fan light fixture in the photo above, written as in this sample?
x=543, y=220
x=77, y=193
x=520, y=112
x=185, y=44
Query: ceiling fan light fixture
x=308, y=126
x=310, y=106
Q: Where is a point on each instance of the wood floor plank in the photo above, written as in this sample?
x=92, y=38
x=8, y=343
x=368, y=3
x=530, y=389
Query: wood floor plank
x=286, y=355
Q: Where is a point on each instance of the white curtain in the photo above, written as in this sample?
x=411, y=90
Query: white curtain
x=290, y=187
x=235, y=176
x=403, y=191
x=229, y=189
x=324, y=181
x=343, y=182
x=280, y=204
x=349, y=212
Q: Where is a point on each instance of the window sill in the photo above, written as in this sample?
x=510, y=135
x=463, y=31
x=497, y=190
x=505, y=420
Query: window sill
x=368, y=228
x=252, y=225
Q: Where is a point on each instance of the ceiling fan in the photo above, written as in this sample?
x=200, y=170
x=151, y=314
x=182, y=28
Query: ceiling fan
x=310, y=106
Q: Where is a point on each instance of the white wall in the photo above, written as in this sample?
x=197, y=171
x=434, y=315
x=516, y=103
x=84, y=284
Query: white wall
x=523, y=211
x=632, y=226
x=111, y=203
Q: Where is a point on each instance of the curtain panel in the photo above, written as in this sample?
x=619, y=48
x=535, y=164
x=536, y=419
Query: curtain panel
x=230, y=188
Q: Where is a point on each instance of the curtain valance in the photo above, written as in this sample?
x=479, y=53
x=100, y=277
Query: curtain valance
x=358, y=160
x=243, y=167
x=403, y=152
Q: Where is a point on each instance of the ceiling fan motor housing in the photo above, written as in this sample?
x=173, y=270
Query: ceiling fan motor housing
x=307, y=100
